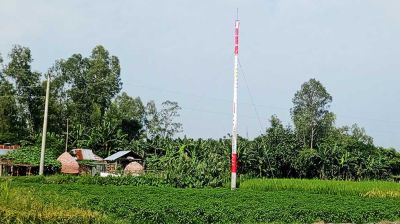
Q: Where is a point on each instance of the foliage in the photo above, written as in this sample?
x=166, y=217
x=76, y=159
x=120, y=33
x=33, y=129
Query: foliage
x=340, y=155
x=162, y=123
x=148, y=180
x=170, y=205
x=187, y=162
x=128, y=114
x=31, y=155
x=26, y=91
x=26, y=207
x=10, y=127
x=310, y=113
x=334, y=187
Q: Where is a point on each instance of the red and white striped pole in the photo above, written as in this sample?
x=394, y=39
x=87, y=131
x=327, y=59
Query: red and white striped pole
x=234, y=127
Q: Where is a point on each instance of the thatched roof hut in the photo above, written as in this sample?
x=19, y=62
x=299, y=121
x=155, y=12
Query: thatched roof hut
x=68, y=163
x=133, y=168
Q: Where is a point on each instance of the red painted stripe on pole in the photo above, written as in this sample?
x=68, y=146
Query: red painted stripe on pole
x=237, y=38
x=234, y=163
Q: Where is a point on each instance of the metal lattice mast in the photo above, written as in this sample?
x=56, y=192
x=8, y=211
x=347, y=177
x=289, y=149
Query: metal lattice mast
x=234, y=127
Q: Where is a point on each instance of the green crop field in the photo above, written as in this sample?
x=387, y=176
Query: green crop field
x=40, y=200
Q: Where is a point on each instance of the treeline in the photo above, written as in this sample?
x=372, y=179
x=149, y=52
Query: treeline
x=86, y=93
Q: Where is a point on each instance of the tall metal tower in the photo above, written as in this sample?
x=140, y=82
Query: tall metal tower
x=234, y=127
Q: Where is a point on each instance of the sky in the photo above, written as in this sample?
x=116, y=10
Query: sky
x=182, y=51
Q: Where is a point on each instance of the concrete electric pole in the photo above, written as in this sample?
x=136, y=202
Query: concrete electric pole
x=44, y=132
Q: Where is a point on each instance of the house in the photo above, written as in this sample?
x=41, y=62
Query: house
x=16, y=161
x=89, y=163
x=126, y=161
x=8, y=168
x=7, y=147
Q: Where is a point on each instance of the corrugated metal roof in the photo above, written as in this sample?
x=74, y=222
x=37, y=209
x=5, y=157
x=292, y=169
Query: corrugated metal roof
x=4, y=151
x=86, y=154
x=9, y=146
x=117, y=155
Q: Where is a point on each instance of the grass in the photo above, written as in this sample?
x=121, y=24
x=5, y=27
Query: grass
x=335, y=187
x=257, y=201
x=26, y=206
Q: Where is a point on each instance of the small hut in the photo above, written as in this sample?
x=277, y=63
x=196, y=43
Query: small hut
x=120, y=161
x=89, y=163
x=69, y=165
x=25, y=161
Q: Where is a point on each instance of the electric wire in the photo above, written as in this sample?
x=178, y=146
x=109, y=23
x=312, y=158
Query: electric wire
x=251, y=96
x=258, y=117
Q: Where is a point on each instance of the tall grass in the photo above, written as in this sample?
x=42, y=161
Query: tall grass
x=148, y=180
x=335, y=187
x=25, y=207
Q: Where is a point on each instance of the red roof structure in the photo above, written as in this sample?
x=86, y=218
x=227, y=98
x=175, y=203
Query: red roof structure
x=68, y=163
x=86, y=154
x=9, y=146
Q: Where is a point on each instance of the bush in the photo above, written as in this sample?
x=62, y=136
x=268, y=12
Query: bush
x=148, y=179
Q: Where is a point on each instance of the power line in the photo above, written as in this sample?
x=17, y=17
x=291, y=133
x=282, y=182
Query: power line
x=251, y=96
x=257, y=114
x=186, y=94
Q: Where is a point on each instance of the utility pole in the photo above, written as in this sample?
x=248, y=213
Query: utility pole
x=66, y=138
x=44, y=132
x=234, y=127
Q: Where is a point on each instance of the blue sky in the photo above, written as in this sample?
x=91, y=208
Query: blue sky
x=183, y=51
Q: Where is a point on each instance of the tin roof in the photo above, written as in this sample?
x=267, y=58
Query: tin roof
x=9, y=146
x=117, y=155
x=86, y=154
x=4, y=151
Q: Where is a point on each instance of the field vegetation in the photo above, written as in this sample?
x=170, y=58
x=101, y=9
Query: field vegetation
x=382, y=189
x=279, y=201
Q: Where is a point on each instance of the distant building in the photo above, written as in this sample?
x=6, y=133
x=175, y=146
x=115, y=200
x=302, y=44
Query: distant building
x=127, y=162
x=7, y=147
x=86, y=154
x=89, y=163
x=9, y=168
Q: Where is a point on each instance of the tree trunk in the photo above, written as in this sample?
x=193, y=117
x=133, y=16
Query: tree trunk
x=312, y=138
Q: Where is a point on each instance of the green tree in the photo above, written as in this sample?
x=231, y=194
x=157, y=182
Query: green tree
x=29, y=91
x=152, y=120
x=359, y=134
x=128, y=114
x=103, y=77
x=92, y=83
x=168, y=115
x=10, y=126
x=162, y=123
x=310, y=113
